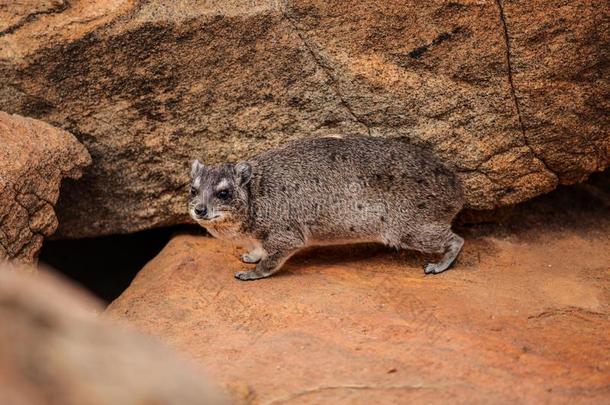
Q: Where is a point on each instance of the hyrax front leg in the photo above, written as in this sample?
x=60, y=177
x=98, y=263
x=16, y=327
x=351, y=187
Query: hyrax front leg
x=251, y=257
x=254, y=255
x=451, y=250
x=278, y=249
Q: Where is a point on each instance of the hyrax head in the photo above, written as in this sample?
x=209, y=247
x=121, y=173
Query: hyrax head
x=218, y=193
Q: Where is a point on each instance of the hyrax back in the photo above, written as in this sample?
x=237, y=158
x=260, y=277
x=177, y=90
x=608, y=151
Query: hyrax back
x=339, y=190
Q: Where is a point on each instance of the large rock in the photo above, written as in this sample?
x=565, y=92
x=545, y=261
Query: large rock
x=512, y=94
x=522, y=318
x=54, y=349
x=34, y=158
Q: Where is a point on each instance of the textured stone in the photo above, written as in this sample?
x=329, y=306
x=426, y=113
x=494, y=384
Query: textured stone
x=513, y=95
x=560, y=69
x=34, y=158
x=523, y=317
x=54, y=349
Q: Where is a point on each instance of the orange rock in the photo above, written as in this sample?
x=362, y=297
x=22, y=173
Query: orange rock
x=523, y=317
x=511, y=93
x=34, y=158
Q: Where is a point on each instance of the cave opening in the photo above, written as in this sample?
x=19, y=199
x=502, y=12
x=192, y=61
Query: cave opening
x=106, y=265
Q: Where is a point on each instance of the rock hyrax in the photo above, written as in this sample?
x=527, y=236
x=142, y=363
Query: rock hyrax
x=330, y=191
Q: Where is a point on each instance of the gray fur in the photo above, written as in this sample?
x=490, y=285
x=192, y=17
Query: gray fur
x=330, y=191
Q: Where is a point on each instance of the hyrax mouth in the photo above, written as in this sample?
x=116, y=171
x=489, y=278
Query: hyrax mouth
x=215, y=218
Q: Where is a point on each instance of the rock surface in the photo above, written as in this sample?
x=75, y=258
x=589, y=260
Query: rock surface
x=34, y=159
x=523, y=317
x=513, y=94
x=54, y=349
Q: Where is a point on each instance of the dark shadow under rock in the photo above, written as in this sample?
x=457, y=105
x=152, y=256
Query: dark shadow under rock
x=106, y=265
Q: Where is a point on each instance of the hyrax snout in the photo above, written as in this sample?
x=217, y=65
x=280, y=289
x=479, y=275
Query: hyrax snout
x=330, y=191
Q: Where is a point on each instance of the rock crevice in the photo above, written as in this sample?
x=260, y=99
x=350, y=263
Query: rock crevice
x=316, y=57
x=513, y=92
x=60, y=7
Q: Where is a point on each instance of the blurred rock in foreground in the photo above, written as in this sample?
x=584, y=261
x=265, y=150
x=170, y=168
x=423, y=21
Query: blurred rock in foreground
x=55, y=350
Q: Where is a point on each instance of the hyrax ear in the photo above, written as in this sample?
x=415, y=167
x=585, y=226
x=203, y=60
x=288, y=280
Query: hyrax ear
x=196, y=168
x=243, y=173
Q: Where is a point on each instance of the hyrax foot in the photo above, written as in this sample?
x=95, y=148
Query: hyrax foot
x=452, y=249
x=250, y=275
x=250, y=258
x=433, y=268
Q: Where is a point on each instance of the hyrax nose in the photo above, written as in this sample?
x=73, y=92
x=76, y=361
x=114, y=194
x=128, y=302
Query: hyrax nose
x=200, y=211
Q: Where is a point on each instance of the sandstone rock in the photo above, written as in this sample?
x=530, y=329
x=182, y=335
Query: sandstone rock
x=523, y=317
x=34, y=158
x=55, y=350
x=512, y=94
x=560, y=78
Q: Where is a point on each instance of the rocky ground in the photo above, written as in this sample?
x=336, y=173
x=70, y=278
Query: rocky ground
x=522, y=317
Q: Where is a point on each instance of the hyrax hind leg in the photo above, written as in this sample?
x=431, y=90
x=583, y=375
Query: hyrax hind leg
x=450, y=251
x=430, y=238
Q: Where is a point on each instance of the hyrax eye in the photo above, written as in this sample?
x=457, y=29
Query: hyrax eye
x=193, y=191
x=222, y=194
